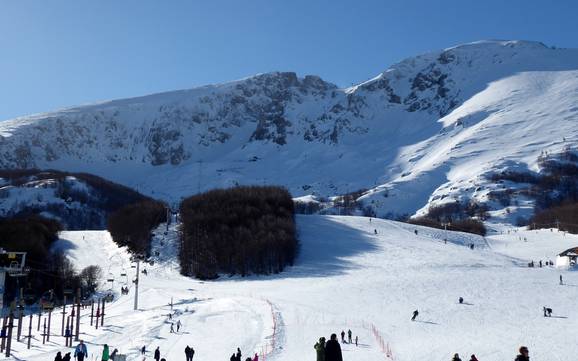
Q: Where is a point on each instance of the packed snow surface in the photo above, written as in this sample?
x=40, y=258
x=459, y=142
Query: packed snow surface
x=346, y=277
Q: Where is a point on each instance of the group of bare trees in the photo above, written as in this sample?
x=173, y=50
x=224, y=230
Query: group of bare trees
x=242, y=230
x=132, y=225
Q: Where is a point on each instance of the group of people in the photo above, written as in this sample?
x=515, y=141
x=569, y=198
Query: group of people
x=179, y=324
x=457, y=358
x=330, y=350
x=81, y=353
x=349, y=337
x=540, y=263
x=523, y=355
x=124, y=290
x=237, y=356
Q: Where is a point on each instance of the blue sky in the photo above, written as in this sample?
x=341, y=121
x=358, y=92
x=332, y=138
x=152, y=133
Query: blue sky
x=61, y=53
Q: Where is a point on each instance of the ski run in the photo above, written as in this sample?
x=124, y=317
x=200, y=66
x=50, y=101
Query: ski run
x=357, y=273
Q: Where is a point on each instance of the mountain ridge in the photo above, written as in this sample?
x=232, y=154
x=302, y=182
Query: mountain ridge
x=405, y=133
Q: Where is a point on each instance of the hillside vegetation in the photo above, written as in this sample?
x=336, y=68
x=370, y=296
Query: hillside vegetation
x=77, y=200
x=48, y=270
x=240, y=230
x=132, y=225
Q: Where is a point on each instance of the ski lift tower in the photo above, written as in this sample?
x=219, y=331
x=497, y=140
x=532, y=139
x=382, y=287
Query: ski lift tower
x=13, y=264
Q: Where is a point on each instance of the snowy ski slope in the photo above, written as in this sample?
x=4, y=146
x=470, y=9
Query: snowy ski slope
x=346, y=277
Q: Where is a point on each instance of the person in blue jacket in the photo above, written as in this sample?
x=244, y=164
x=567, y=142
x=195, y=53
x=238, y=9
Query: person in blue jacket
x=80, y=352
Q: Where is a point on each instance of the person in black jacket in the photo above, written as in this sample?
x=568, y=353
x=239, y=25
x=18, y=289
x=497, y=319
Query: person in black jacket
x=157, y=354
x=333, y=350
x=523, y=356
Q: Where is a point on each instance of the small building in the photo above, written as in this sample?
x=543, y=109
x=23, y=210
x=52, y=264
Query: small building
x=568, y=258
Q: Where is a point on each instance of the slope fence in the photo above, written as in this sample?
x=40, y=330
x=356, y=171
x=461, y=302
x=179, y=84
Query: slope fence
x=384, y=346
x=271, y=347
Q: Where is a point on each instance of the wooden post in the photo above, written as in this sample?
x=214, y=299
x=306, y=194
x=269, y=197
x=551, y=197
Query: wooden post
x=136, y=284
x=68, y=332
x=102, y=313
x=91, y=312
x=44, y=333
x=20, y=315
x=39, y=316
x=71, y=331
x=49, y=319
x=4, y=333
x=9, y=333
x=63, y=315
x=30, y=331
x=76, y=335
x=97, y=314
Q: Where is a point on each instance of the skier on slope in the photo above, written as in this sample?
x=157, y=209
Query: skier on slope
x=461, y=300
x=179, y=324
x=415, y=313
x=342, y=336
x=333, y=350
x=349, y=336
x=356, y=339
x=523, y=356
x=320, y=349
x=143, y=350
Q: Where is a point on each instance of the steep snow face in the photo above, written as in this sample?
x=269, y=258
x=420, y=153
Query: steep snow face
x=425, y=131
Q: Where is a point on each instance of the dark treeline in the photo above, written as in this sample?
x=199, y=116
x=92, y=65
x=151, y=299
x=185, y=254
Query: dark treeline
x=565, y=217
x=455, y=216
x=132, y=224
x=48, y=271
x=468, y=225
x=241, y=230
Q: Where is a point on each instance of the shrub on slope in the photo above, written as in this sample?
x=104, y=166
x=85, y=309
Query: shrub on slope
x=240, y=230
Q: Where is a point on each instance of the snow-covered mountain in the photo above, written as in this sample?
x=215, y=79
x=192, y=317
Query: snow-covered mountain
x=427, y=130
x=78, y=201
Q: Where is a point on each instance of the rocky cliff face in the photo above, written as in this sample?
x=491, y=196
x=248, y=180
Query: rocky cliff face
x=310, y=135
